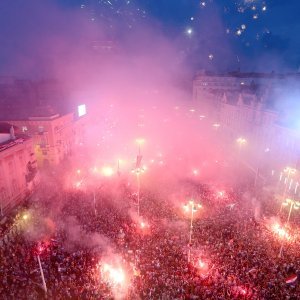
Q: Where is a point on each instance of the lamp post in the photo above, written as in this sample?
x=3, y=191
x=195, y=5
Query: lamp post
x=290, y=171
x=259, y=165
x=94, y=201
x=293, y=205
x=191, y=207
x=140, y=142
x=241, y=142
x=138, y=169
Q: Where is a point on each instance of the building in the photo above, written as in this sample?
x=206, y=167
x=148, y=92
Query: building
x=54, y=135
x=244, y=105
x=17, y=167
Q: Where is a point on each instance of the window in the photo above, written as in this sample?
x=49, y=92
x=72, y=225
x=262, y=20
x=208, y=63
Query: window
x=41, y=129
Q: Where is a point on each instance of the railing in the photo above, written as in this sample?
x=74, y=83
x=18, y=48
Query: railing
x=11, y=144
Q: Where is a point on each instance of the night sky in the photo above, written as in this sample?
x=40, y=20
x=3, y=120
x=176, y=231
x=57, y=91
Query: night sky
x=223, y=35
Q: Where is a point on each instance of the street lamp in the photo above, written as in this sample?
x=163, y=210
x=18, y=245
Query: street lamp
x=191, y=207
x=138, y=171
x=140, y=142
x=293, y=205
x=290, y=171
x=241, y=142
x=216, y=125
x=260, y=160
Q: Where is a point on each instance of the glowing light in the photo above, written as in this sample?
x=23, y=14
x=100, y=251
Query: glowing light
x=216, y=125
x=241, y=141
x=221, y=194
x=81, y=109
x=290, y=170
x=114, y=276
x=189, y=31
x=78, y=171
x=25, y=217
x=186, y=208
x=280, y=231
x=201, y=264
x=140, y=141
x=239, y=32
x=107, y=171
x=78, y=184
x=195, y=172
x=144, y=225
x=211, y=56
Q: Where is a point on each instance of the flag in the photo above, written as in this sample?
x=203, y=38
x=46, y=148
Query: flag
x=291, y=279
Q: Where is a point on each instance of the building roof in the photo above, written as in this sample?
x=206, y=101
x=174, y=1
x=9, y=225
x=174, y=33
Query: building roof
x=238, y=74
x=9, y=142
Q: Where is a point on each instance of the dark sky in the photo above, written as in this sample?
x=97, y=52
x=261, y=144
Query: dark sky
x=251, y=35
x=254, y=29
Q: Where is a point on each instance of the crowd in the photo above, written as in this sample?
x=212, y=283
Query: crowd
x=233, y=254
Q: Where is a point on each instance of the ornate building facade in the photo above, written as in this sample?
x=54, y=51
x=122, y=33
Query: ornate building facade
x=18, y=168
x=243, y=105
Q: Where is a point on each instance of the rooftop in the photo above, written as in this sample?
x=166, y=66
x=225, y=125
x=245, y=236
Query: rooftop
x=238, y=74
x=7, y=141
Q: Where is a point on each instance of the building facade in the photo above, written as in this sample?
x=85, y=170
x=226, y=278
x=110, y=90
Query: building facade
x=243, y=106
x=18, y=170
x=53, y=136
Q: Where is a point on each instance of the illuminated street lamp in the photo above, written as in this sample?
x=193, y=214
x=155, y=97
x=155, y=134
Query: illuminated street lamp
x=107, y=171
x=191, y=207
x=241, y=142
x=260, y=161
x=140, y=142
x=94, y=202
x=216, y=125
x=290, y=171
x=293, y=205
x=138, y=170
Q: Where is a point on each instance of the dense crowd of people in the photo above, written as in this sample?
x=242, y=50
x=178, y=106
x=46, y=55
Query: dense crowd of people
x=233, y=254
